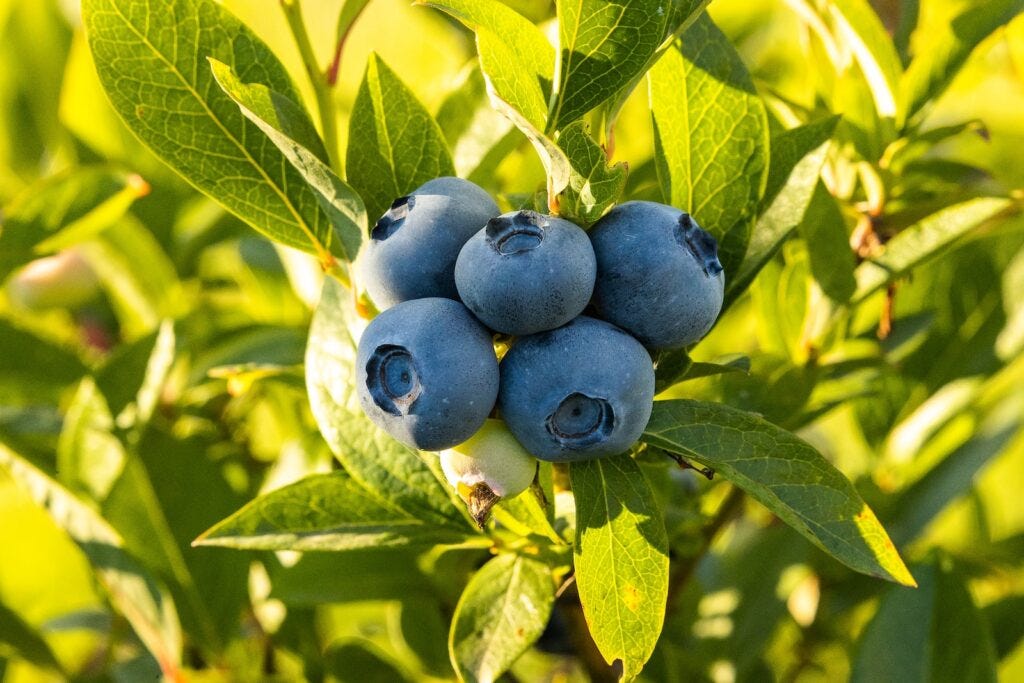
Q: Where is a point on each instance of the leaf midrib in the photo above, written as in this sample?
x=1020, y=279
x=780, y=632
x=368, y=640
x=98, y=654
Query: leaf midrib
x=227, y=133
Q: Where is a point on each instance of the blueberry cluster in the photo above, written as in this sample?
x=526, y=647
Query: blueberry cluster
x=449, y=270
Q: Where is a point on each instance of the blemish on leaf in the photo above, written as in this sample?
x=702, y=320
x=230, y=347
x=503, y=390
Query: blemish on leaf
x=631, y=596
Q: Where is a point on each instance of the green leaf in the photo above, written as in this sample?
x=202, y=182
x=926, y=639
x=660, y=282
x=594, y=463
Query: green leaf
x=133, y=377
x=909, y=514
x=290, y=129
x=517, y=62
x=480, y=138
x=684, y=13
x=784, y=474
x=90, y=458
x=502, y=611
x=132, y=590
x=64, y=210
x=621, y=557
x=711, y=136
x=942, y=46
x=361, y=661
x=350, y=11
x=793, y=170
x=952, y=641
x=828, y=246
x=24, y=641
x=324, y=512
x=594, y=186
x=516, y=59
x=603, y=46
x=137, y=275
x=676, y=366
x=34, y=369
x=378, y=462
x=394, y=144
x=526, y=515
x=862, y=31
x=150, y=58
x=922, y=241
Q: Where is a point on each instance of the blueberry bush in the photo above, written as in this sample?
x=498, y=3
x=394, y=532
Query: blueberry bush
x=480, y=340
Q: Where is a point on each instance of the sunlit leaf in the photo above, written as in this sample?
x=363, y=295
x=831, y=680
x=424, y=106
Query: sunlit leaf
x=65, y=210
x=132, y=590
x=289, y=128
x=943, y=46
x=922, y=241
x=324, y=512
x=793, y=170
x=711, y=137
x=594, y=186
x=149, y=57
x=621, y=559
x=394, y=144
x=603, y=46
x=783, y=473
x=502, y=611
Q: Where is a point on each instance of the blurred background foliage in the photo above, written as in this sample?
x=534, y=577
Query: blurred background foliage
x=150, y=382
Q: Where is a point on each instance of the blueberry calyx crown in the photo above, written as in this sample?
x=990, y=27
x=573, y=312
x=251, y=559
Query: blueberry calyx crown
x=392, y=379
x=700, y=243
x=580, y=421
x=516, y=233
x=388, y=224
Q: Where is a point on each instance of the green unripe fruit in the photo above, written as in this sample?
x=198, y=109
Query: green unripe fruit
x=64, y=280
x=487, y=467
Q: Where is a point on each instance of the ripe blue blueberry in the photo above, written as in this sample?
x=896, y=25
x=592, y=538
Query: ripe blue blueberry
x=579, y=392
x=427, y=373
x=658, y=274
x=412, y=249
x=526, y=272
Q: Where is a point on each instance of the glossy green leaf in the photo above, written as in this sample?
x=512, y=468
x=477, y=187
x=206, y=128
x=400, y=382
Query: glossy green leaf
x=132, y=590
x=378, y=462
x=290, y=129
x=621, y=557
x=828, y=246
x=943, y=46
x=922, y=241
x=862, y=31
x=684, y=13
x=64, y=210
x=784, y=474
x=150, y=57
x=324, y=512
x=502, y=611
x=793, y=170
x=394, y=144
x=952, y=641
x=594, y=186
x=603, y=46
x=711, y=136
